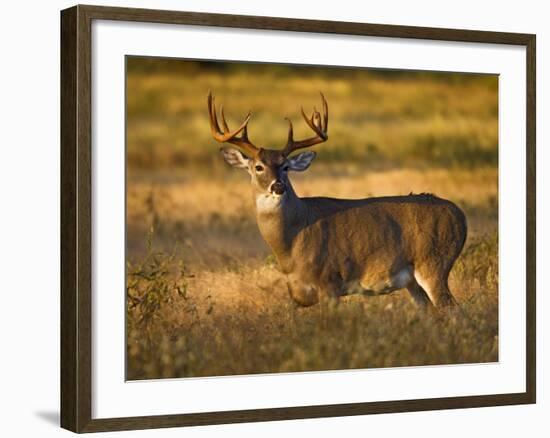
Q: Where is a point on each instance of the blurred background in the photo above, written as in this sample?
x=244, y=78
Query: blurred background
x=205, y=294
x=378, y=118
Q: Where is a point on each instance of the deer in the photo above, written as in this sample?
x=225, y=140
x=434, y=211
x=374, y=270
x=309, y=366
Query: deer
x=327, y=247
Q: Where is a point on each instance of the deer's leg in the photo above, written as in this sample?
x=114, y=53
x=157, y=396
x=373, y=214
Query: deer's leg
x=419, y=295
x=444, y=296
x=329, y=295
x=435, y=285
x=302, y=294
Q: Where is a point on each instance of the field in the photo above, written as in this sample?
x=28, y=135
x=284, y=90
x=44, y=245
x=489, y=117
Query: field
x=205, y=295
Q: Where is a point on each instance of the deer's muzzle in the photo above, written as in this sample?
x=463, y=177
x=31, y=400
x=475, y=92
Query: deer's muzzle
x=278, y=187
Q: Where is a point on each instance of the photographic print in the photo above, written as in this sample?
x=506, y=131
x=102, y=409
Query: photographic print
x=291, y=218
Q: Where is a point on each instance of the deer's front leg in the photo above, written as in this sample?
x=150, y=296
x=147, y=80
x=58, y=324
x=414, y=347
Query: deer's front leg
x=302, y=293
x=329, y=295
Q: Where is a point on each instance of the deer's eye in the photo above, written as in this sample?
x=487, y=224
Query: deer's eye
x=259, y=168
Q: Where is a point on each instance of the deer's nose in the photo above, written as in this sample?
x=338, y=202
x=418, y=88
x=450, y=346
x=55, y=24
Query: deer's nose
x=277, y=187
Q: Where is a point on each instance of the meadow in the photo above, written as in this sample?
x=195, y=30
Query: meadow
x=206, y=297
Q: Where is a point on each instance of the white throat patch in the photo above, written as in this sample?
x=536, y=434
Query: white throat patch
x=268, y=202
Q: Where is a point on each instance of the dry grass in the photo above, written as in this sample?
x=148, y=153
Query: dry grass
x=240, y=320
x=205, y=296
x=235, y=316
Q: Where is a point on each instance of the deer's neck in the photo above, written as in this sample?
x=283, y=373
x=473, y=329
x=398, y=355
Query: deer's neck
x=279, y=220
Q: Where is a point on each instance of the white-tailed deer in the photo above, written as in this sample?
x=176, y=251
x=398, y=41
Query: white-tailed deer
x=332, y=247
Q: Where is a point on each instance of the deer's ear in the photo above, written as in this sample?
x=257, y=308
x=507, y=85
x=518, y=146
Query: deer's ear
x=235, y=158
x=301, y=162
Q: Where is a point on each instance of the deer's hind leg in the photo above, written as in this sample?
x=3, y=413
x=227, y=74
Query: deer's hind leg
x=419, y=295
x=435, y=283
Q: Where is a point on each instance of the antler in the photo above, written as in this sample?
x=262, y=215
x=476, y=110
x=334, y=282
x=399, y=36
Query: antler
x=226, y=136
x=317, y=122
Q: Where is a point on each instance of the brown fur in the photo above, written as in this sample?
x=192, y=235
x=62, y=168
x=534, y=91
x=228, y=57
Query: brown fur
x=323, y=244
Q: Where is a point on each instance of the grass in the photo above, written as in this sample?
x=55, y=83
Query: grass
x=241, y=321
x=220, y=302
x=205, y=296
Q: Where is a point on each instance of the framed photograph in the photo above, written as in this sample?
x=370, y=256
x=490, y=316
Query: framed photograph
x=268, y=218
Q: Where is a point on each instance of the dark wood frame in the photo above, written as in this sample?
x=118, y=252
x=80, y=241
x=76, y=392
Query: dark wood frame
x=76, y=309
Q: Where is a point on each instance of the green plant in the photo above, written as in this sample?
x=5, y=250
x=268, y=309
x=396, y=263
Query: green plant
x=150, y=283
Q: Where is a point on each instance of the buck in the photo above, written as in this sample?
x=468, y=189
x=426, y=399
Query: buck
x=333, y=247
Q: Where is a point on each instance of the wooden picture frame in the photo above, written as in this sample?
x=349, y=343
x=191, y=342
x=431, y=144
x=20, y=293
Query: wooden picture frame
x=76, y=218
